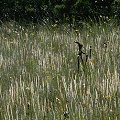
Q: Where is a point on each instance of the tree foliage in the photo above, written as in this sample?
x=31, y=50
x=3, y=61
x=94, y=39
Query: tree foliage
x=58, y=10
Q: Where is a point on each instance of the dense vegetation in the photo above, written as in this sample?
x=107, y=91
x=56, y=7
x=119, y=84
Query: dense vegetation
x=39, y=76
x=39, y=79
x=58, y=10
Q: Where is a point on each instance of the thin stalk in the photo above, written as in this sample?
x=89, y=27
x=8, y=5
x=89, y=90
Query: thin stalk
x=90, y=52
x=78, y=63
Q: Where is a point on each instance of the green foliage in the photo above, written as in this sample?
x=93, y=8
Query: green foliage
x=59, y=10
x=66, y=10
x=116, y=8
x=81, y=9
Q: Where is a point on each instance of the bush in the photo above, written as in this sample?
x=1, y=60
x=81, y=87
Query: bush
x=66, y=10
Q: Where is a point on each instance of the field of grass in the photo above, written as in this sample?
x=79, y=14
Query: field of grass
x=39, y=78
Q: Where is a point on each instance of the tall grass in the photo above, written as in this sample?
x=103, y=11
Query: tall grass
x=39, y=79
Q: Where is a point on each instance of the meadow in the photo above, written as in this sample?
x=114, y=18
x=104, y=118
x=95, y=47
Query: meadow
x=39, y=78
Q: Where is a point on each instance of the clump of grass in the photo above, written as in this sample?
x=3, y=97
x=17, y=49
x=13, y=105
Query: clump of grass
x=39, y=78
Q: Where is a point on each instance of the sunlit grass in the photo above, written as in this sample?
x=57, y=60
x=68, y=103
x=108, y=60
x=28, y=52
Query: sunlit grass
x=39, y=78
